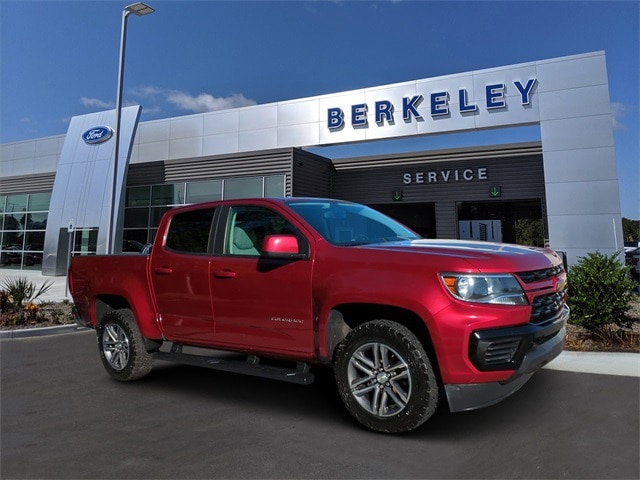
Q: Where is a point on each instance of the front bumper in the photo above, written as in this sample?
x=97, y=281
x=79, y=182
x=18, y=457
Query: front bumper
x=527, y=349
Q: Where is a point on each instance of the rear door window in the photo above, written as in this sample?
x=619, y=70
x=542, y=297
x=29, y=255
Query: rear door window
x=189, y=232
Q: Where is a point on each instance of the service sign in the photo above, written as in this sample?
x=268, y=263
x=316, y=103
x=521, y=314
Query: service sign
x=97, y=135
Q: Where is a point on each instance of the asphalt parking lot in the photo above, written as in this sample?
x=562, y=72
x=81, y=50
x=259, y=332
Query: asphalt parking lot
x=63, y=417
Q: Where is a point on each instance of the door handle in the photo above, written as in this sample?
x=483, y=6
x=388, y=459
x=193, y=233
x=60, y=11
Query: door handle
x=163, y=270
x=224, y=273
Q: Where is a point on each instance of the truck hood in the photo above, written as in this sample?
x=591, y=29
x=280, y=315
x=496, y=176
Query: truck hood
x=483, y=256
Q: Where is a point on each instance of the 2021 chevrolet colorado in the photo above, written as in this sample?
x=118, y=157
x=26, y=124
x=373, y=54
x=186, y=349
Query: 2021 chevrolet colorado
x=291, y=283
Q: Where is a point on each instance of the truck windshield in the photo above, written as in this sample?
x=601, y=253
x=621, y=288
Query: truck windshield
x=346, y=224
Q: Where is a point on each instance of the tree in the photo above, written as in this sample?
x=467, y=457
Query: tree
x=630, y=230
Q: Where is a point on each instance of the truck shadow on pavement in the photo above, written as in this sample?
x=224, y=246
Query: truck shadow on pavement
x=550, y=399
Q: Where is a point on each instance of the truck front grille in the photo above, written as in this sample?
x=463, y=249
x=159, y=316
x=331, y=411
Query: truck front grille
x=546, y=307
x=537, y=275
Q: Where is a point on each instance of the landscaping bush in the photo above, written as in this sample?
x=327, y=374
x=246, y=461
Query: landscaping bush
x=599, y=292
x=19, y=293
x=18, y=302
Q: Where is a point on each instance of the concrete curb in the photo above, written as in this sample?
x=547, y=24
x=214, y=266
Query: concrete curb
x=41, y=332
x=604, y=363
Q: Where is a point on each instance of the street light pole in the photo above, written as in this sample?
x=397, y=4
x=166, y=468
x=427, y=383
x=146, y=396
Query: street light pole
x=138, y=9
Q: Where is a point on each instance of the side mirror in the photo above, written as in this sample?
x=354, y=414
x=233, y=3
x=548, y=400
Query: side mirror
x=282, y=246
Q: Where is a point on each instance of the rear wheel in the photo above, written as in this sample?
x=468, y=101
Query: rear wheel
x=385, y=378
x=122, y=347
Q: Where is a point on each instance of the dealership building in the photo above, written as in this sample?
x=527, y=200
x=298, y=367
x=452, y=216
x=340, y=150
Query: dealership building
x=56, y=193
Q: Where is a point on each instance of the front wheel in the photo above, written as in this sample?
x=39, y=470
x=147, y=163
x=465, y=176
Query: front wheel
x=385, y=378
x=122, y=347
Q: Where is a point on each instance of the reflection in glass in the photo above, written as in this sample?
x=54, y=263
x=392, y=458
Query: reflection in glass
x=37, y=221
x=22, y=229
x=39, y=201
x=16, y=203
x=156, y=215
x=167, y=194
x=34, y=241
x=136, y=217
x=274, y=186
x=243, y=188
x=85, y=241
x=198, y=192
x=138, y=196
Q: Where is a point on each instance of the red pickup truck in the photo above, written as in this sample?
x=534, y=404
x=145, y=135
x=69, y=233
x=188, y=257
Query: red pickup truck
x=274, y=287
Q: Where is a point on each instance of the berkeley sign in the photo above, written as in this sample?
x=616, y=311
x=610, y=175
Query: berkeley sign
x=384, y=110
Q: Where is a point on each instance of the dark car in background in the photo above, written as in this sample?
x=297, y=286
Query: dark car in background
x=632, y=259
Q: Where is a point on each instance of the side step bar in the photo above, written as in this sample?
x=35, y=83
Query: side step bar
x=250, y=366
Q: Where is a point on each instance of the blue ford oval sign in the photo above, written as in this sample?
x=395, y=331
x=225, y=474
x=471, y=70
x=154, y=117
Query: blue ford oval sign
x=97, y=135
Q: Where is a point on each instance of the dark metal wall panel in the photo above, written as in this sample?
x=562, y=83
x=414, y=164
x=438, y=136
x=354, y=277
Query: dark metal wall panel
x=446, y=220
x=146, y=174
x=311, y=175
x=438, y=178
x=272, y=162
x=518, y=177
x=27, y=183
x=264, y=163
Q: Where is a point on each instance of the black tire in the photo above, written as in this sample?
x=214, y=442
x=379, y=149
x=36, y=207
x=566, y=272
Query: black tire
x=385, y=378
x=122, y=347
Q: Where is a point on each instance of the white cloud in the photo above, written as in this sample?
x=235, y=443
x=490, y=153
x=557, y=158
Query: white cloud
x=206, y=102
x=152, y=98
x=95, y=102
x=147, y=91
x=618, y=110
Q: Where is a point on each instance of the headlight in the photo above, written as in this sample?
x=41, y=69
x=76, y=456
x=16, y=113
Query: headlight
x=496, y=289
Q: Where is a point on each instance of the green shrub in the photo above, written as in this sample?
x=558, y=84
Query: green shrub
x=19, y=291
x=599, y=292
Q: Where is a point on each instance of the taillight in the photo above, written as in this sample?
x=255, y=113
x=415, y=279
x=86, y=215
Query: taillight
x=70, y=280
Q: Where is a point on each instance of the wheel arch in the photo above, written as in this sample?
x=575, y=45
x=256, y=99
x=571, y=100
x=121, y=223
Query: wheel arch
x=107, y=303
x=344, y=317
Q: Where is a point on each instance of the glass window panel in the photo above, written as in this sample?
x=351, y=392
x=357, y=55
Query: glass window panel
x=136, y=217
x=138, y=196
x=85, y=241
x=32, y=260
x=16, y=203
x=156, y=215
x=134, y=238
x=199, y=192
x=274, y=186
x=37, y=221
x=11, y=257
x=13, y=222
x=35, y=241
x=2, y=222
x=39, y=201
x=3, y=201
x=243, y=188
x=133, y=246
x=189, y=231
x=167, y=194
x=12, y=240
x=249, y=226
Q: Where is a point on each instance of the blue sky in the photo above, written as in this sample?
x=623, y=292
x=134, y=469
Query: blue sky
x=60, y=58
